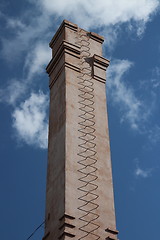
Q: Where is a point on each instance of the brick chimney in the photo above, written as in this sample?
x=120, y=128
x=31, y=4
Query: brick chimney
x=79, y=195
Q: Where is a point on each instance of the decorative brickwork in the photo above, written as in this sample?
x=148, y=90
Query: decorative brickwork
x=79, y=195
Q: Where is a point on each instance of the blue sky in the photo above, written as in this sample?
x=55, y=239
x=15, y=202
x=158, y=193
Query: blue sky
x=132, y=43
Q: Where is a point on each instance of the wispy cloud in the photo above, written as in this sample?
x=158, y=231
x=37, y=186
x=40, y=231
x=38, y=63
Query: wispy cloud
x=132, y=109
x=140, y=115
x=36, y=59
x=34, y=65
x=154, y=134
x=12, y=91
x=110, y=35
x=23, y=35
x=15, y=23
x=29, y=120
x=143, y=173
x=155, y=80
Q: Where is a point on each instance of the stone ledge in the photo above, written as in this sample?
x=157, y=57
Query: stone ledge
x=101, y=60
x=96, y=37
x=65, y=47
x=113, y=231
x=54, y=79
x=66, y=226
x=64, y=24
x=111, y=238
x=99, y=68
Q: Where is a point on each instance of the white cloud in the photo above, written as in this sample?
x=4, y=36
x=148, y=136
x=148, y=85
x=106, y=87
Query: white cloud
x=154, y=134
x=29, y=120
x=24, y=35
x=36, y=59
x=155, y=80
x=15, y=23
x=143, y=173
x=140, y=115
x=35, y=63
x=110, y=35
x=13, y=91
x=89, y=14
x=133, y=110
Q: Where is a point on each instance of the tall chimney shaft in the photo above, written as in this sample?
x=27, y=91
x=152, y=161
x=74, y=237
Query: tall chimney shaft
x=79, y=195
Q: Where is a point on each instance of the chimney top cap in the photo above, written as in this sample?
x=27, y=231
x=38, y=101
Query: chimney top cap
x=74, y=27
